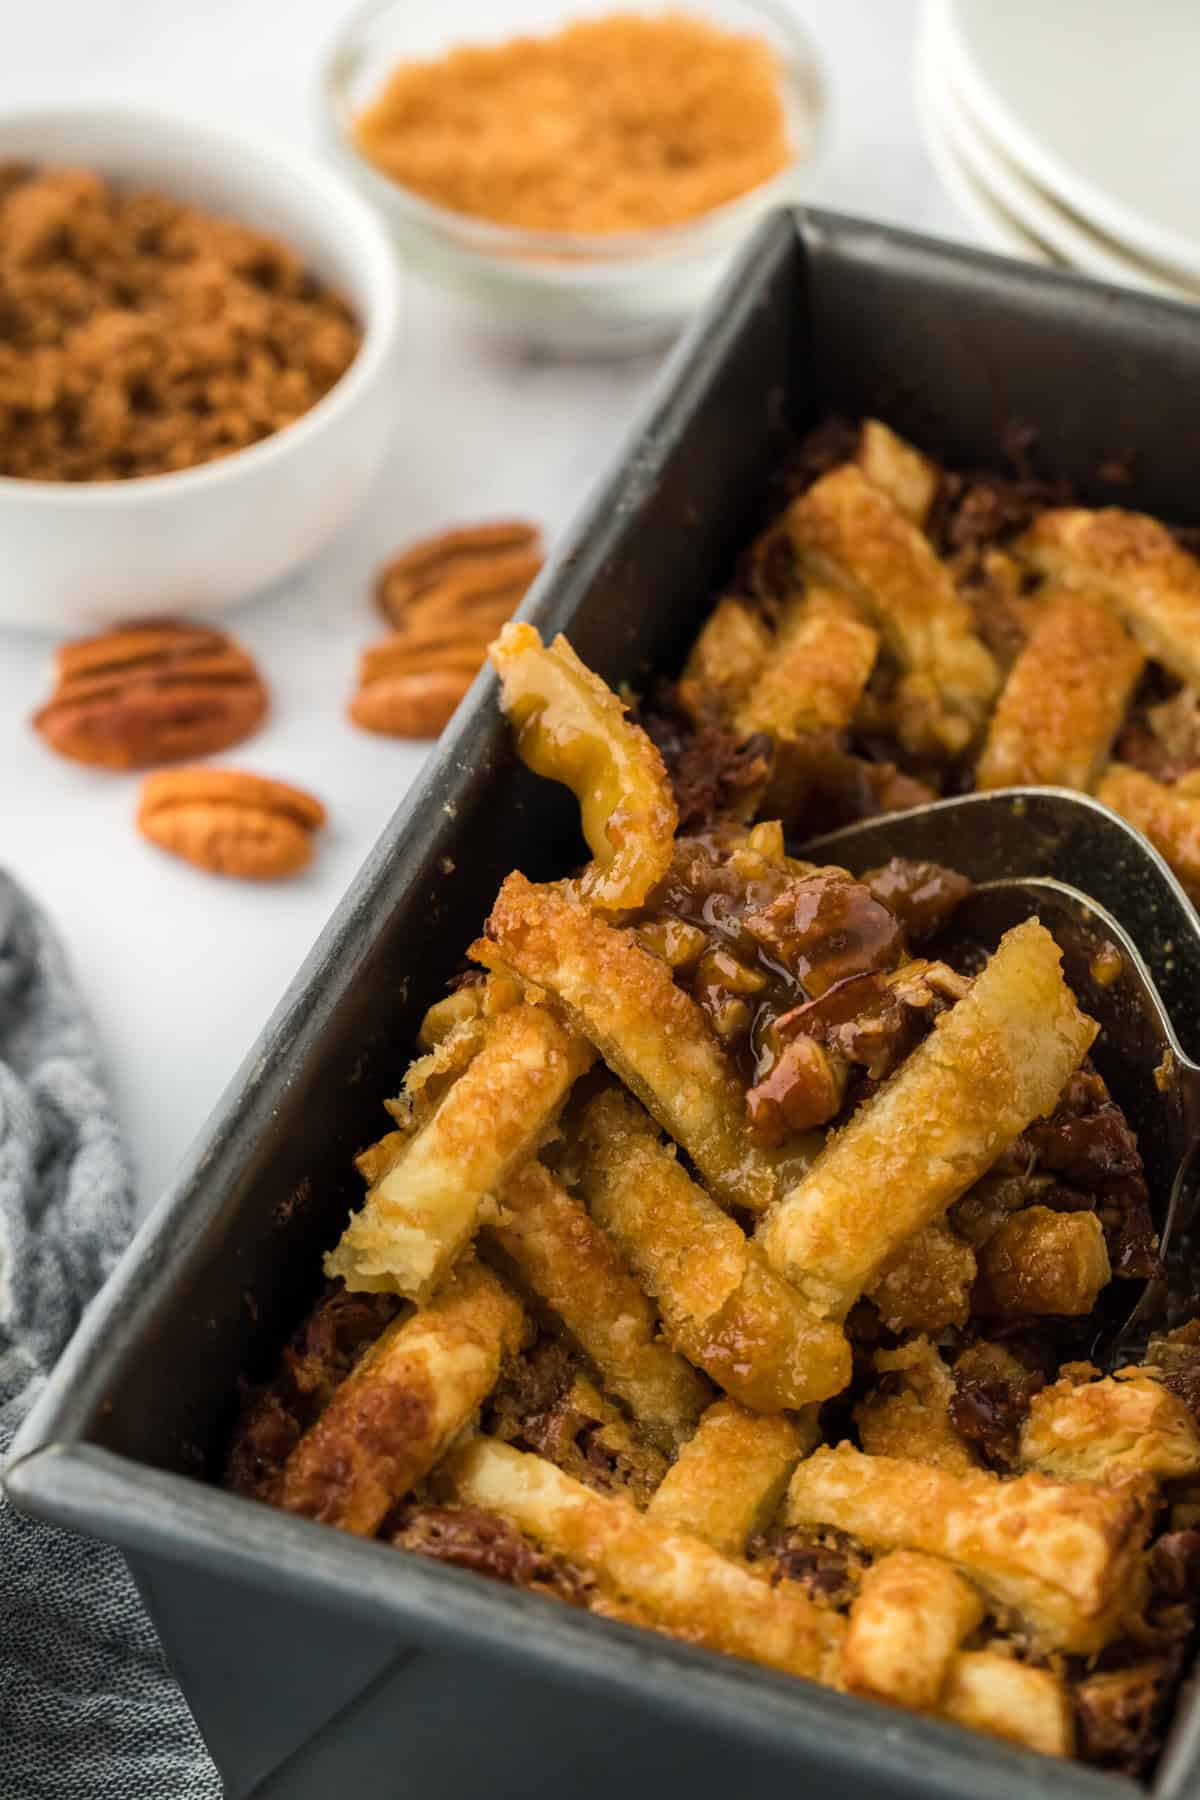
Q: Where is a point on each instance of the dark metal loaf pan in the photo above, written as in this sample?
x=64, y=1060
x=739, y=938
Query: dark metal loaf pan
x=317, y=1664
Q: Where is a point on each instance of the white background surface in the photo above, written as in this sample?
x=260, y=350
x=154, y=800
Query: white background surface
x=180, y=969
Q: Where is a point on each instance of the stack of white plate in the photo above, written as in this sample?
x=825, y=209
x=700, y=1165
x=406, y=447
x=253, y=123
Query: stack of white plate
x=1068, y=131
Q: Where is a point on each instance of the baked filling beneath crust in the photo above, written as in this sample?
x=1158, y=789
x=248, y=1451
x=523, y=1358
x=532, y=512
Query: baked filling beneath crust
x=731, y=1267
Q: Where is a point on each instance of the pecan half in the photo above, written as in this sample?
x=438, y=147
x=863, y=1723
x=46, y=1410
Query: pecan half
x=151, y=693
x=465, y=566
x=230, y=823
x=411, y=706
x=447, y=597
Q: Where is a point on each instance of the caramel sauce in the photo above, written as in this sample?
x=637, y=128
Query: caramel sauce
x=801, y=971
x=760, y=940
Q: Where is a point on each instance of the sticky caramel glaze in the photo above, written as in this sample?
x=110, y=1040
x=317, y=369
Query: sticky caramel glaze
x=794, y=967
x=770, y=933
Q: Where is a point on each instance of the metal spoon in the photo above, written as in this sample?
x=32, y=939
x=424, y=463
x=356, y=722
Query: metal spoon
x=1120, y=959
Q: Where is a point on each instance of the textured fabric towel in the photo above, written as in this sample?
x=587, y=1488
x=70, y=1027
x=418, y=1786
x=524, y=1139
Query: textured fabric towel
x=88, y=1709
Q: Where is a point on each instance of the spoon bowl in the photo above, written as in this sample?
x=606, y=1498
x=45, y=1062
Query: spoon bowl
x=1118, y=958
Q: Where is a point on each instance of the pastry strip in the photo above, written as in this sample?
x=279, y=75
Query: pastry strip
x=669, y=1579
x=424, y=1210
x=1065, y=1555
x=649, y=1032
x=908, y=1412
x=577, y=1271
x=1064, y=699
x=404, y=1402
x=572, y=728
x=729, y=1478
x=907, y=1621
x=990, y=1692
x=848, y=531
x=1101, y=1429
x=816, y=673
x=1169, y=816
x=721, y=1303
x=997, y=1060
x=1132, y=560
x=726, y=661
x=909, y=479
x=452, y=1033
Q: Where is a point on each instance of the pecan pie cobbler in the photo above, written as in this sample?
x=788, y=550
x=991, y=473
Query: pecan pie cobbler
x=731, y=1267
x=900, y=631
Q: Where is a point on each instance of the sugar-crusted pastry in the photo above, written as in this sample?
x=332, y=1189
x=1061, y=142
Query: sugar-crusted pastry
x=730, y=1267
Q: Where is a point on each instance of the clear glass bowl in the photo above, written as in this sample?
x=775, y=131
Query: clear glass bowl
x=560, y=290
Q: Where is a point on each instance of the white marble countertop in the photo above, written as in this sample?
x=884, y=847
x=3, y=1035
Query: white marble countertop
x=182, y=970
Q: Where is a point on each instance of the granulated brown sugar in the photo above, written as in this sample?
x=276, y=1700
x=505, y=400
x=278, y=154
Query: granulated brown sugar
x=620, y=123
x=140, y=336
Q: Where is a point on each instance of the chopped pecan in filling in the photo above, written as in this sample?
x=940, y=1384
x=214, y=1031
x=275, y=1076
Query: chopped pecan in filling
x=1087, y=1142
x=992, y=1391
x=470, y=1538
x=827, y=1564
x=802, y=972
x=1177, y=1354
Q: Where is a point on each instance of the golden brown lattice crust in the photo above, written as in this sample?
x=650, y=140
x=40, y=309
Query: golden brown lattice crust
x=649, y=1032
x=413, y=1391
x=1136, y=564
x=721, y=1304
x=815, y=676
x=729, y=1478
x=847, y=530
x=572, y=728
x=908, y=1413
x=1169, y=816
x=926, y=1283
x=1093, y=614
x=1064, y=700
x=997, y=1060
x=995, y=1694
x=1065, y=1555
x=576, y=1270
x=726, y=661
x=1101, y=1430
x=909, y=1617
x=951, y=1186
x=673, y=1581
x=909, y=479
x=455, y=1030
x=424, y=1210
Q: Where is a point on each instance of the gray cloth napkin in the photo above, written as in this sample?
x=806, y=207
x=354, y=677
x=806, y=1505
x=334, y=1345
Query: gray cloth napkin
x=88, y=1708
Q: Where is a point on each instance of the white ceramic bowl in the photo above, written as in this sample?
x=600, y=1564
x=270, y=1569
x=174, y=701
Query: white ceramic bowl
x=74, y=555
x=563, y=291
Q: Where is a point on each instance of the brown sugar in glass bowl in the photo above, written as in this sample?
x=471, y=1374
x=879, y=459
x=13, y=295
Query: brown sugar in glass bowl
x=140, y=336
x=626, y=122
x=627, y=258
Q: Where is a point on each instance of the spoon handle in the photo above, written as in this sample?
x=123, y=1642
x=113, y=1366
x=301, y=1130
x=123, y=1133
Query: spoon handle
x=1174, y=1296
